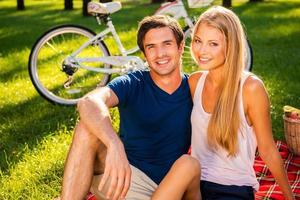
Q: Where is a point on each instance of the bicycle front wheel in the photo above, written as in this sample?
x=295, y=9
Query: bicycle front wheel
x=190, y=65
x=56, y=81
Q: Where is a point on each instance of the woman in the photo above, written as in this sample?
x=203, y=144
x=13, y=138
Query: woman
x=231, y=115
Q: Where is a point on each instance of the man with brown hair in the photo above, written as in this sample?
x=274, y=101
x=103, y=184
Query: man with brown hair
x=155, y=129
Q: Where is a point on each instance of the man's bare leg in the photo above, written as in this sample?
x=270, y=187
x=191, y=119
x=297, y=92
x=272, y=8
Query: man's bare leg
x=86, y=153
x=181, y=182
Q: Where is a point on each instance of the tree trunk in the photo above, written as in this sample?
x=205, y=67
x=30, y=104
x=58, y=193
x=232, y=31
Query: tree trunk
x=227, y=3
x=157, y=1
x=84, y=7
x=68, y=4
x=20, y=5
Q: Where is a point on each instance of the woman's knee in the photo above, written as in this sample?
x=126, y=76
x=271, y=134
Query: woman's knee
x=189, y=164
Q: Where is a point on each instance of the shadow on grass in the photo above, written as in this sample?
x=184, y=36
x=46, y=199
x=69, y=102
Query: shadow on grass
x=21, y=29
x=24, y=126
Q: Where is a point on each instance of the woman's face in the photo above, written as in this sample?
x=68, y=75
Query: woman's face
x=208, y=47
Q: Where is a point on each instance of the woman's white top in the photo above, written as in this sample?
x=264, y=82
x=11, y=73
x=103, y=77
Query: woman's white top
x=216, y=165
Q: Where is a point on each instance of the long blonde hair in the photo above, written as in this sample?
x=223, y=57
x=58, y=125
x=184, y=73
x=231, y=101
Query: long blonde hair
x=225, y=119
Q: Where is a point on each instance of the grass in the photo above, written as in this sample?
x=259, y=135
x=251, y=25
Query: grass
x=35, y=135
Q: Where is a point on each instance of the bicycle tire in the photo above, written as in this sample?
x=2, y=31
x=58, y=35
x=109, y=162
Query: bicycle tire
x=45, y=64
x=190, y=65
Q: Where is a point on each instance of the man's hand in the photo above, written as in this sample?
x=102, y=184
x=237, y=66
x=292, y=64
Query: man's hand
x=117, y=170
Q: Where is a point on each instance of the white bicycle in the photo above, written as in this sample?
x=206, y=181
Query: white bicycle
x=69, y=61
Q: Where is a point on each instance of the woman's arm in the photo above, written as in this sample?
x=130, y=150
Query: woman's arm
x=257, y=109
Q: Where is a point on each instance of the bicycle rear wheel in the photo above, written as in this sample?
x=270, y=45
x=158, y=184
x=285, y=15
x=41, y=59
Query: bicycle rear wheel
x=190, y=65
x=56, y=81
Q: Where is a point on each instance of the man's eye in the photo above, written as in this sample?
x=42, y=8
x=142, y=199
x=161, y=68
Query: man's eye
x=149, y=47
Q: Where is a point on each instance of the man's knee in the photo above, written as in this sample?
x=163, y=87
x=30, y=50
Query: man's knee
x=83, y=135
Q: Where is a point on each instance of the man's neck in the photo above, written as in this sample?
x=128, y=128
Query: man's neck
x=168, y=83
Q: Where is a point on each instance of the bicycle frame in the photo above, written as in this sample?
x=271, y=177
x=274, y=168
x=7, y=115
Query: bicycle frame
x=177, y=10
x=125, y=63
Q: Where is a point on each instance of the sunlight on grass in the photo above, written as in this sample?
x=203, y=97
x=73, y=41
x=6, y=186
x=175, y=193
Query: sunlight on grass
x=15, y=80
x=39, y=168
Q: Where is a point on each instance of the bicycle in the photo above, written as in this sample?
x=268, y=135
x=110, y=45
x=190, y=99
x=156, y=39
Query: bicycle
x=68, y=61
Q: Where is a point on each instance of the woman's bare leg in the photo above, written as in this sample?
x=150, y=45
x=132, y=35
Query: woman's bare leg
x=181, y=182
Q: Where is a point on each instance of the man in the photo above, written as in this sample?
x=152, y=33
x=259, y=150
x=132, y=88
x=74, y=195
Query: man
x=155, y=109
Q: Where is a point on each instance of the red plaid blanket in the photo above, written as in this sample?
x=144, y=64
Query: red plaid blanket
x=268, y=189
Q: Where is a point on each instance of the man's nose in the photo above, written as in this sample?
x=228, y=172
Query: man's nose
x=161, y=51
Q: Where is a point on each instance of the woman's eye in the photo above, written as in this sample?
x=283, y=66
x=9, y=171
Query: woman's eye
x=214, y=44
x=197, y=41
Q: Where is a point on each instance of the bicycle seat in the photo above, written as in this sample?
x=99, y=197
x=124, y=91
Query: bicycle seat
x=104, y=8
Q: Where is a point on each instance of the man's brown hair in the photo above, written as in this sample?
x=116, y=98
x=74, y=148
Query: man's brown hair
x=158, y=21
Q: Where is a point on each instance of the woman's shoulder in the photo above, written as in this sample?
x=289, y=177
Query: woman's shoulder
x=254, y=92
x=194, y=77
x=193, y=80
x=253, y=84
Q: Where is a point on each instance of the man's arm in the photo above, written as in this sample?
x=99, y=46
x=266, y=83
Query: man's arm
x=94, y=113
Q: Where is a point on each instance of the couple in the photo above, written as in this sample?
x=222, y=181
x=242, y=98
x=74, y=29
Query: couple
x=228, y=110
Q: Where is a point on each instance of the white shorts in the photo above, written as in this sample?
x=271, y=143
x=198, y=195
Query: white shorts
x=141, y=186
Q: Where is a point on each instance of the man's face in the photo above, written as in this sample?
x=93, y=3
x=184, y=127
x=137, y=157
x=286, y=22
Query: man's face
x=162, y=52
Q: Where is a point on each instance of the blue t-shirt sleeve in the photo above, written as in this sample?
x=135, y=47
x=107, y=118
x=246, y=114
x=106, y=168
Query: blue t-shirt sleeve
x=120, y=86
x=123, y=87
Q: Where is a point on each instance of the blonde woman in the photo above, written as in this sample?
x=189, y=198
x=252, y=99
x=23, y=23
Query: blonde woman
x=231, y=115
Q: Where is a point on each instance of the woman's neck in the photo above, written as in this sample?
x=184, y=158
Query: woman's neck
x=215, y=77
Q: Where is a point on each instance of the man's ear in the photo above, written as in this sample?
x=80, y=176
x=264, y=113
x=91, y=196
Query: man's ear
x=181, y=47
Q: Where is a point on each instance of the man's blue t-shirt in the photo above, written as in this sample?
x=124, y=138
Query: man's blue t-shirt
x=154, y=125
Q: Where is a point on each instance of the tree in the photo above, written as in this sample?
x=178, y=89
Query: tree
x=20, y=5
x=227, y=3
x=84, y=7
x=157, y=1
x=256, y=0
x=68, y=4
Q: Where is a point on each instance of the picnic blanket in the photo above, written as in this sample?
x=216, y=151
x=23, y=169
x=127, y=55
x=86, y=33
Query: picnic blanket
x=268, y=189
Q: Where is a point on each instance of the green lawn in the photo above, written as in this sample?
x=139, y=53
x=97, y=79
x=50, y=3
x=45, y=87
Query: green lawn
x=34, y=134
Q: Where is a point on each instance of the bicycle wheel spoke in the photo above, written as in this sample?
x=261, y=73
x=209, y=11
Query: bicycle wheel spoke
x=52, y=47
x=49, y=71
